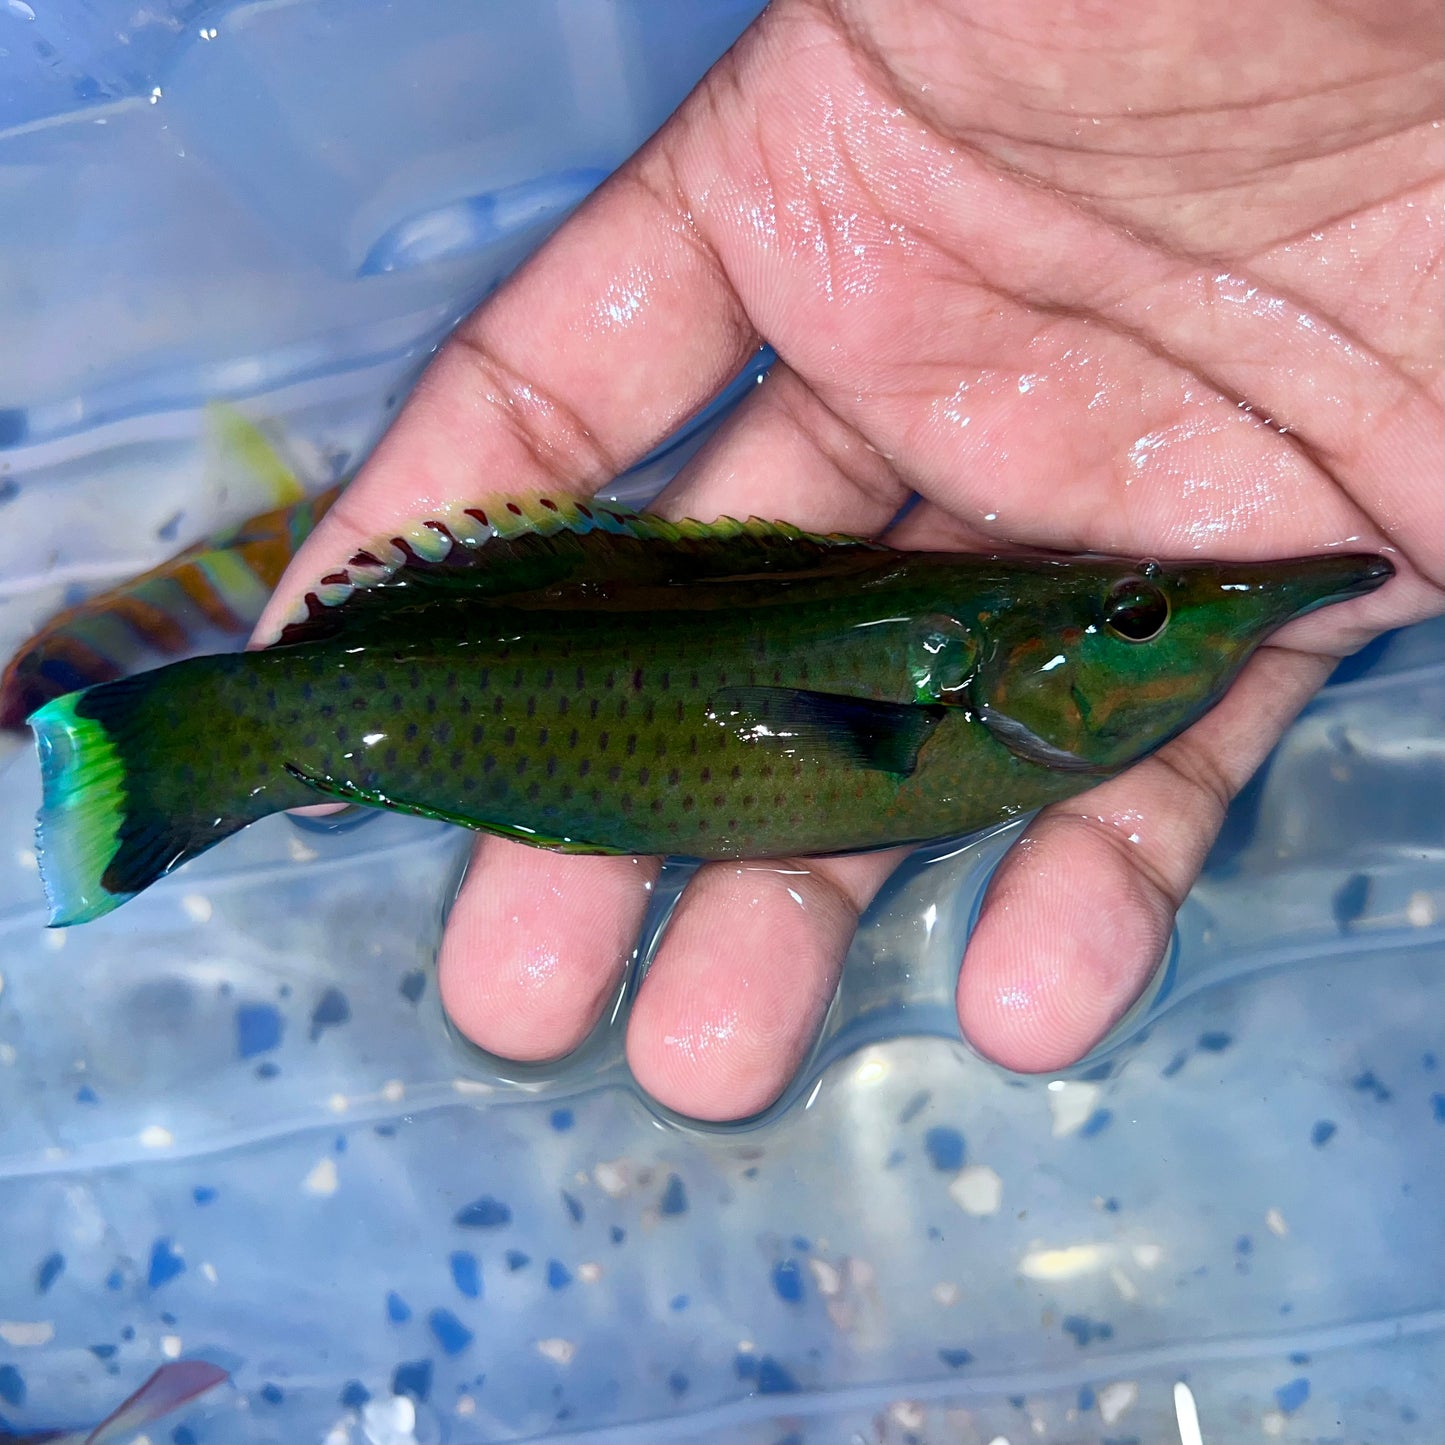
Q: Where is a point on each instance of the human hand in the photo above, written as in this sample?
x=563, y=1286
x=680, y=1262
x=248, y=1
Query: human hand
x=1138, y=279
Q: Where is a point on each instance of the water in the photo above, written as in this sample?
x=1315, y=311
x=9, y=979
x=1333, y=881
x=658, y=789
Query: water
x=233, y=1121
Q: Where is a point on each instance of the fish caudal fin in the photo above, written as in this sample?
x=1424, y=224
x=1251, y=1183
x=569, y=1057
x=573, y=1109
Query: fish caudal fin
x=114, y=816
x=82, y=812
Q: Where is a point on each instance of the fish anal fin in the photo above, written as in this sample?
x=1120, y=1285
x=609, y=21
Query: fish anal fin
x=341, y=790
x=830, y=727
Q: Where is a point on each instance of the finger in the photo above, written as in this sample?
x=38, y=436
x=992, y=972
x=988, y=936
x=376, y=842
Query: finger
x=536, y=944
x=615, y=331
x=743, y=978
x=1081, y=909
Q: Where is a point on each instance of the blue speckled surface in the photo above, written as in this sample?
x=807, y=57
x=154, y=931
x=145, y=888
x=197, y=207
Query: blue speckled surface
x=233, y=1122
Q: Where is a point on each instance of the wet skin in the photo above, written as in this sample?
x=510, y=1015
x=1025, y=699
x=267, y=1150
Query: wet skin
x=1076, y=289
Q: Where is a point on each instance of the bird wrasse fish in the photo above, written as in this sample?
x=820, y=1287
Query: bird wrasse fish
x=214, y=590
x=592, y=680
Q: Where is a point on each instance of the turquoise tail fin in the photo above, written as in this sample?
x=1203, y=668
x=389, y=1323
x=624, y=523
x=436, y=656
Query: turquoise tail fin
x=124, y=799
x=82, y=811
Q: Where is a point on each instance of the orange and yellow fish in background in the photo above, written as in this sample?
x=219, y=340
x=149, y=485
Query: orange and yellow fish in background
x=212, y=591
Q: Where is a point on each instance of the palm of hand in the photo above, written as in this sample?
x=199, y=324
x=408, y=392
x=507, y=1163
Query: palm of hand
x=1105, y=282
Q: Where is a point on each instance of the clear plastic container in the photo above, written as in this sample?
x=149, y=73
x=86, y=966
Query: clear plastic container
x=233, y=1122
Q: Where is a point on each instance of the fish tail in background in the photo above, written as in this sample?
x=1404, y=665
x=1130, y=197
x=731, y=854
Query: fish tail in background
x=124, y=800
x=166, y=1390
x=239, y=448
x=220, y=584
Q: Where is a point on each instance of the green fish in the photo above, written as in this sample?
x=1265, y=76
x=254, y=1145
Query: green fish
x=596, y=681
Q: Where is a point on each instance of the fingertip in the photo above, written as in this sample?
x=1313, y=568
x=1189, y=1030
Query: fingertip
x=536, y=945
x=739, y=989
x=1069, y=935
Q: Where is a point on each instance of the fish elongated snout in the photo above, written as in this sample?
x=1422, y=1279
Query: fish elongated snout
x=1290, y=588
x=1312, y=582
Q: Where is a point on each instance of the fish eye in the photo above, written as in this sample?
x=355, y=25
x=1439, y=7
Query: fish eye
x=1136, y=610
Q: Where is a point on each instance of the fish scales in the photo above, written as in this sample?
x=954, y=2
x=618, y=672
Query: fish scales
x=596, y=725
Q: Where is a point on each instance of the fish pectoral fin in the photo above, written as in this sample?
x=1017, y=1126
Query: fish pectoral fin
x=341, y=791
x=830, y=727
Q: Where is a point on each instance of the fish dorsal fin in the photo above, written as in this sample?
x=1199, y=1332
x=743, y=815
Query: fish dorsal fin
x=515, y=546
